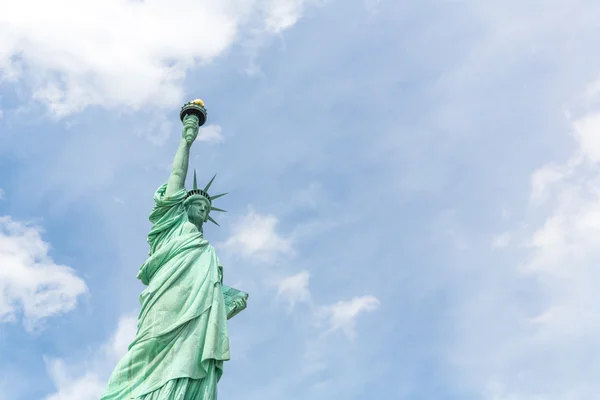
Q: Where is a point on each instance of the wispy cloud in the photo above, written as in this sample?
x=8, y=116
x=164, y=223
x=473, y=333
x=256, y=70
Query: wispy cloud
x=30, y=282
x=294, y=289
x=549, y=334
x=211, y=133
x=568, y=234
x=343, y=314
x=85, y=387
x=255, y=237
x=281, y=14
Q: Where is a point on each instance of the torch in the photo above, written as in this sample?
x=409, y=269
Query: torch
x=194, y=107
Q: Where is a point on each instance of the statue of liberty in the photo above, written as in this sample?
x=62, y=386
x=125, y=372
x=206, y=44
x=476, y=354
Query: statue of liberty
x=181, y=340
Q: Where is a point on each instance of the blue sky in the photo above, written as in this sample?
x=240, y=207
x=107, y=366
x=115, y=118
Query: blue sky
x=414, y=191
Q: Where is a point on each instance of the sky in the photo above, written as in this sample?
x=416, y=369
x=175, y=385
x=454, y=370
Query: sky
x=414, y=191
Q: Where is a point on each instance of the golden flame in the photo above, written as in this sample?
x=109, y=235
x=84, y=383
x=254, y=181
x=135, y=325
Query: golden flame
x=198, y=102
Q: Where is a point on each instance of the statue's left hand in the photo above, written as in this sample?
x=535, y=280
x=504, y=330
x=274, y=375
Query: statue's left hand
x=240, y=304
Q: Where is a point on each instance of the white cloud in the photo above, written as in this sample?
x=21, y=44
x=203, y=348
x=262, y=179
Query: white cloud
x=343, y=314
x=74, y=381
x=294, y=289
x=85, y=387
x=255, y=237
x=121, y=53
x=587, y=133
x=123, y=336
x=534, y=338
x=210, y=133
x=543, y=179
x=30, y=281
x=570, y=232
x=281, y=14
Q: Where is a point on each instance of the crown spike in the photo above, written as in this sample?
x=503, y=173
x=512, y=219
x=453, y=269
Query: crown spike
x=195, y=181
x=209, y=183
x=217, y=196
x=213, y=221
x=217, y=209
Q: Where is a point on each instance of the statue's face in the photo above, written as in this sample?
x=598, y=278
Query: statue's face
x=198, y=211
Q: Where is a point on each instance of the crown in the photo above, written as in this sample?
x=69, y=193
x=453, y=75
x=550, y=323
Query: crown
x=204, y=193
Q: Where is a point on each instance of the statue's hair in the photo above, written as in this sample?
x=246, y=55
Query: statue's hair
x=193, y=199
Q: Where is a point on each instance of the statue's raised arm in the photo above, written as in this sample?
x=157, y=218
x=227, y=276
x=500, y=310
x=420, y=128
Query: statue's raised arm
x=193, y=115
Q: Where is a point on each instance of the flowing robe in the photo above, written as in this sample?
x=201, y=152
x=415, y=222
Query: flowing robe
x=182, y=338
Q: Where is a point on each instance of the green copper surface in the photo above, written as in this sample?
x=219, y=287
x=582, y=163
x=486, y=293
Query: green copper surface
x=182, y=338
